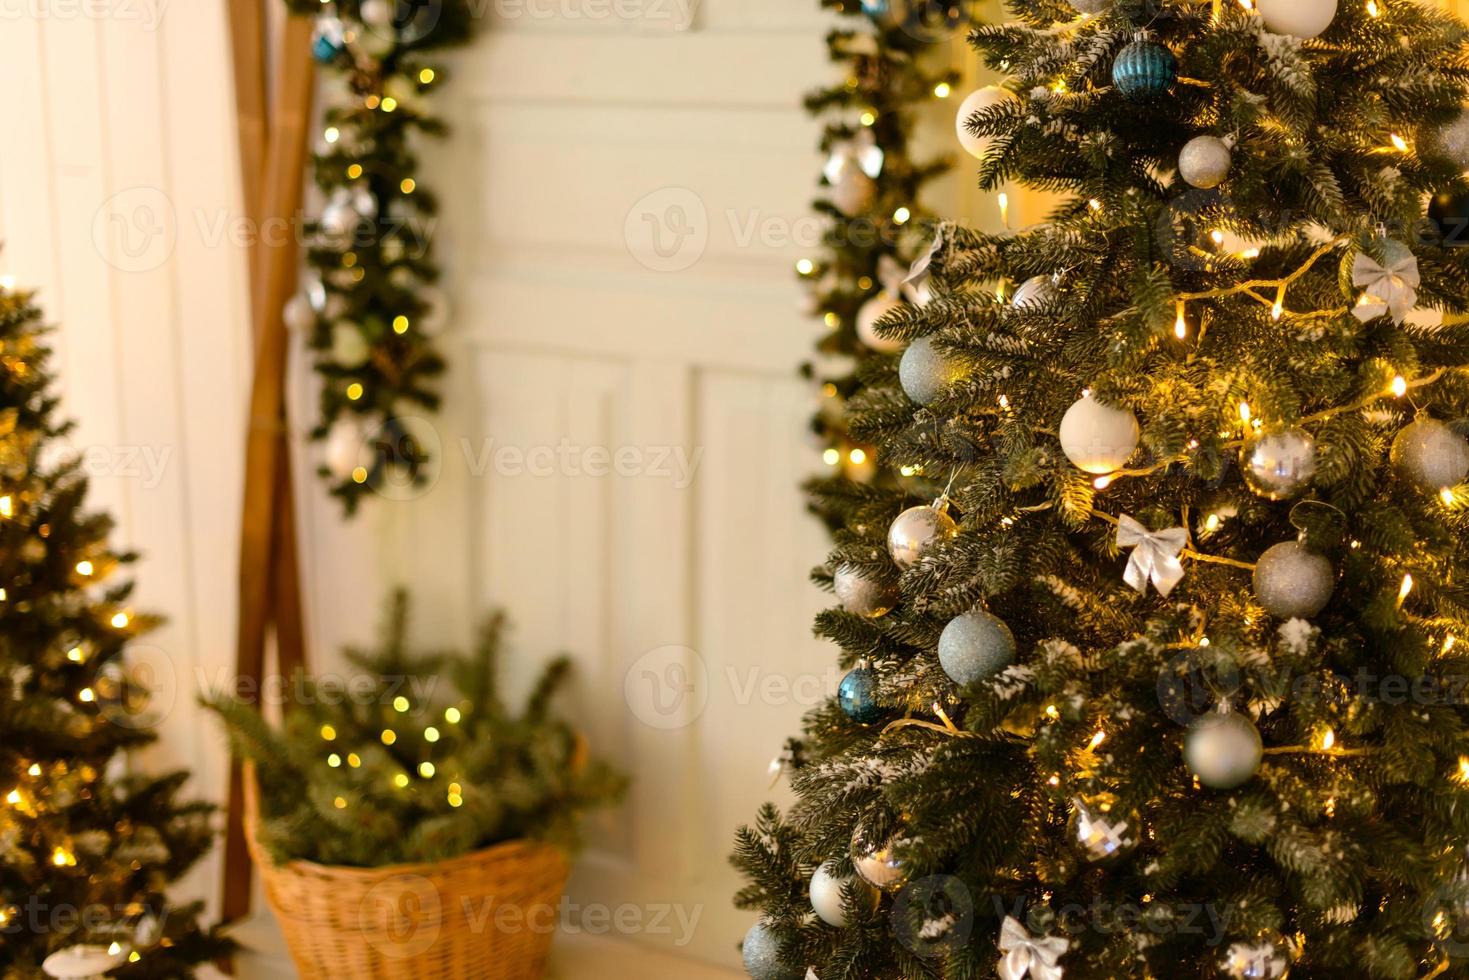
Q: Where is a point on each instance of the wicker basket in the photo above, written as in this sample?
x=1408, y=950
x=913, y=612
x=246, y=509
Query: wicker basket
x=489, y=915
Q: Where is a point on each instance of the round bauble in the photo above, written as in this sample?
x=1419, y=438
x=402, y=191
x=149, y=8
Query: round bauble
x=990, y=95
x=761, y=951
x=346, y=447
x=1299, y=18
x=862, y=595
x=1293, y=582
x=1267, y=957
x=826, y=894
x=1430, y=455
x=1144, y=70
x=1447, y=142
x=925, y=372
x=916, y=530
x=1448, y=212
x=1103, y=831
x=857, y=695
x=377, y=14
x=1204, y=162
x=339, y=221
x=1098, y=438
x=1035, y=291
x=349, y=348
x=853, y=191
x=874, y=857
x=975, y=647
x=1279, y=464
x=1223, y=750
x=297, y=314
x=871, y=311
x=1091, y=6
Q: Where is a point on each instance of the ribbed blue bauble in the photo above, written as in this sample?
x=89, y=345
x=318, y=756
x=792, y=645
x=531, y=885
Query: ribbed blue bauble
x=858, y=696
x=762, y=956
x=1144, y=70
x=975, y=647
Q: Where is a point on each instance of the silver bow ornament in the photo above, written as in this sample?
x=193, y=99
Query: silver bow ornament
x=1390, y=287
x=1154, y=555
x=1027, y=954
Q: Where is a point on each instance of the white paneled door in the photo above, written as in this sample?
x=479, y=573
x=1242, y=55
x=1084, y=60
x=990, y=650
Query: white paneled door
x=633, y=190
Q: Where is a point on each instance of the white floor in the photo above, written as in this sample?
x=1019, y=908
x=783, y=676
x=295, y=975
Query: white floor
x=579, y=957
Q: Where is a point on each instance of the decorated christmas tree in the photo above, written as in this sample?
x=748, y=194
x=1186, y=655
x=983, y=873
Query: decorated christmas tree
x=1162, y=676
x=86, y=851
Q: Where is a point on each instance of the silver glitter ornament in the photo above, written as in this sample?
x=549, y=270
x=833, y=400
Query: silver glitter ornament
x=925, y=372
x=1279, y=464
x=1293, y=582
x=915, y=531
x=1090, y=6
x=761, y=951
x=1447, y=143
x=1223, y=749
x=1430, y=455
x=862, y=595
x=1204, y=162
x=1266, y=957
x=1102, y=830
x=826, y=894
x=874, y=858
x=975, y=646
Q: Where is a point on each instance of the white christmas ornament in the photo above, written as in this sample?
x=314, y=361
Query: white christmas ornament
x=377, y=13
x=871, y=311
x=1223, y=749
x=1024, y=955
x=297, y=314
x=916, y=530
x=84, y=961
x=990, y=95
x=1204, y=162
x=1098, y=438
x=1035, y=291
x=826, y=894
x=1430, y=455
x=1298, y=18
x=349, y=348
x=853, y=192
x=346, y=446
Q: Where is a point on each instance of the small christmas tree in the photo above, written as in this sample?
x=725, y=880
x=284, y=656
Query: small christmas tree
x=1160, y=676
x=85, y=854
x=395, y=767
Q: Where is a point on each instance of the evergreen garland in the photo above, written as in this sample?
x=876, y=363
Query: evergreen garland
x=370, y=308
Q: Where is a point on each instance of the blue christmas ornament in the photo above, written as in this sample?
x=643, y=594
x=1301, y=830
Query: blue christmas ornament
x=1144, y=70
x=858, y=696
x=328, y=41
x=975, y=646
x=874, y=8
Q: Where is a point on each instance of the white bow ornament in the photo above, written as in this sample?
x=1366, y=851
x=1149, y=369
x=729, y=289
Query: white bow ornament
x=1026, y=954
x=916, y=286
x=1154, y=555
x=1391, y=287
